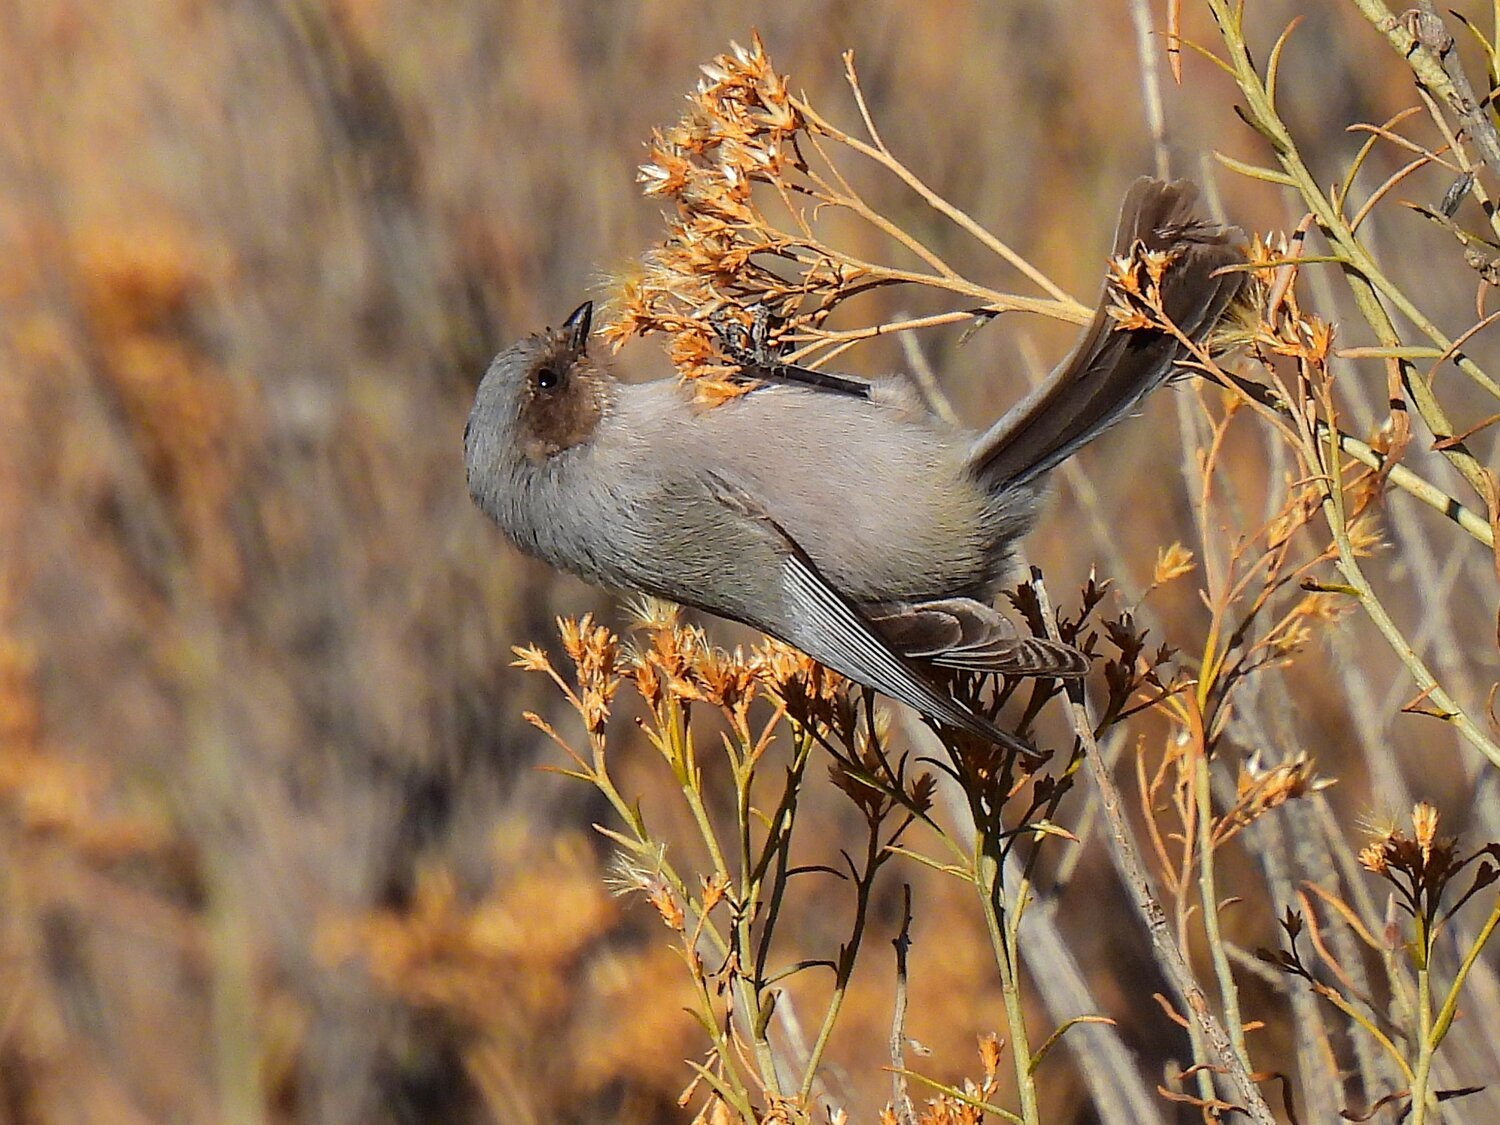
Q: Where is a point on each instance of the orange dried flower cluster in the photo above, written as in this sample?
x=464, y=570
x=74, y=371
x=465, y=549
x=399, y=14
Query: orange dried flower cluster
x=1260, y=788
x=776, y=1110
x=1422, y=854
x=1284, y=329
x=865, y=779
x=946, y=1109
x=1420, y=866
x=1172, y=562
x=738, y=131
x=1289, y=636
x=632, y=873
x=1135, y=282
x=722, y=253
x=1135, y=288
x=754, y=172
x=674, y=663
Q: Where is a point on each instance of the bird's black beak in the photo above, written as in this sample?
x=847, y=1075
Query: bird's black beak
x=577, y=325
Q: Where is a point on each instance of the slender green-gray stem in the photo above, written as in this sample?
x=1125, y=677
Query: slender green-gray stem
x=1143, y=895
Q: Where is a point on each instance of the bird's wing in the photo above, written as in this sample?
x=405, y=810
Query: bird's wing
x=964, y=633
x=830, y=628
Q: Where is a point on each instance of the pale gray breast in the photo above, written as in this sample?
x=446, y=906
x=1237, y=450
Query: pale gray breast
x=876, y=492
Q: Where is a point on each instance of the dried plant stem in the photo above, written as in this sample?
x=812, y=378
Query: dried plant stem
x=236, y=1048
x=882, y=156
x=1418, y=487
x=677, y=748
x=197, y=662
x=902, y=326
x=1326, y=442
x=1145, y=46
x=1371, y=1028
x=983, y=868
x=1319, y=445
x=964, y=1097
x=1120, y=1094
x=1367, y=281
x=1450, y=1002
x=1348, y=565
x=1426, y=1048
x=1229, y=997
x=989, y=881
x=919, y=371
x=864, y=882
x=778, y=847
x=848, y=197
x=900, y=1098
x=745, y=988
x=1367, y=299
x=1437, y=67
x=1476, y=186
x=1126, y=855
x=870, y=275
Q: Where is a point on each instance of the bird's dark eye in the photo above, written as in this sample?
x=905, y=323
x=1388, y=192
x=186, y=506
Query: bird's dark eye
x=546, y=379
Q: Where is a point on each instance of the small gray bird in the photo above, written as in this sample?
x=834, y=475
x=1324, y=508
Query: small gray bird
x=855, y=526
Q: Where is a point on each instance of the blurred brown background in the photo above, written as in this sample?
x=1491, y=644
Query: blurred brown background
x=274, y=842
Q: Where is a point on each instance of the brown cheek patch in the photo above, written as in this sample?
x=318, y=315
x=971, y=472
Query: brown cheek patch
x=561, y=420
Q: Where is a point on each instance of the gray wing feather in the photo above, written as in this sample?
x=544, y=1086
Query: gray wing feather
x=964, y=633
x=824, y=623
x=852, y=647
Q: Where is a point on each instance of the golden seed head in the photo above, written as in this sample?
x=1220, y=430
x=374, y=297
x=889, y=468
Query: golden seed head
x=1172, y=562
x=1424, y=820
x=1260, y=789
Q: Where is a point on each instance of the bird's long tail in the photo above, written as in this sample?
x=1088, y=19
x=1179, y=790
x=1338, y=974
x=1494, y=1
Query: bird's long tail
x=1111, y=369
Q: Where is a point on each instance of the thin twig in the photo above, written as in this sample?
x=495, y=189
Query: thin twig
x=900, y=1099
x=1398, y=475
x=1168, y=955
x=1145, y=49
x=1425, y=43
x=883, y=157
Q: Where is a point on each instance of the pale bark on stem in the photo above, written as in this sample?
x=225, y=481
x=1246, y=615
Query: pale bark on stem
x=1169, y=955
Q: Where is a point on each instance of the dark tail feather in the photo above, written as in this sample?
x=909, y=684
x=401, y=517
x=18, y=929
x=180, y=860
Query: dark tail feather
x=1110, y=371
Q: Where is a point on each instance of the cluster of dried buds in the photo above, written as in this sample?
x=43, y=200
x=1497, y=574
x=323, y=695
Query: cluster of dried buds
x=740, y=130
x=672, y=663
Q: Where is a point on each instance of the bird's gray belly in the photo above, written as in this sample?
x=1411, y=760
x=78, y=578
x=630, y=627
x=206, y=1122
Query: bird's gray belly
x=881, y=504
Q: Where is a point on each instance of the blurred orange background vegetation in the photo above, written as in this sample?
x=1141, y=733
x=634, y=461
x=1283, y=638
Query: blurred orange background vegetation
x=275, y=842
